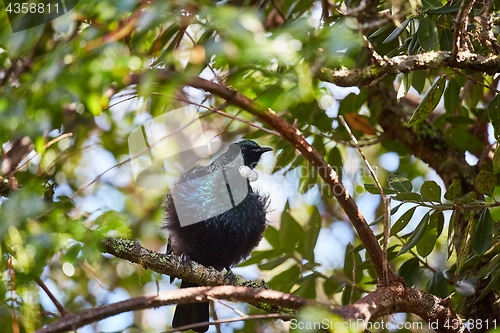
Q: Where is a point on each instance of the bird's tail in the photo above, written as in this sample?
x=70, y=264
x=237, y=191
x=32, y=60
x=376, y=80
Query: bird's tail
x=188, y=314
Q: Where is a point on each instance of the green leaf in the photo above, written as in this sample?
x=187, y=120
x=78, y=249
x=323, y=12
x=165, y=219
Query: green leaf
x=431, y=191
x=290, y=233
x=311, y=237
x=258, y=256
x=454, y=190
x=335, y=160
x=427, y=34
x=467, y=198
x=417, y=234
x=273, y=237
x=332, y=286
x=409, y=271
x=307, y=287
x=494, y=115
x=399, y=183
x=419, y=78
x=496, y=161
x=446, y=9
x=495, y=277
x=285, y=280
x=352, y=260
x=380, y=31
x=485, y=182
x=408, y=197
x=273, y=263
x=381, y=217
x=482, y=237
x=446, y=40
x=402, y=222
x=373, y=189
x=426, y=244
x=438, y=285
x=451, y=96
x=428, y=103
x=460, y=138
x=393, y=35
x=464, y=249
x=350, y=295
x=284, y=158
x=431, y=5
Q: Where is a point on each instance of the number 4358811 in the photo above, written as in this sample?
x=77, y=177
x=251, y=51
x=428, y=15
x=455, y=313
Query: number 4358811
x=25, y=8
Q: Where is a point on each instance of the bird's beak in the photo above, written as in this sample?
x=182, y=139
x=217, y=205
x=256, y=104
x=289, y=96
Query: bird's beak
x=264, y=149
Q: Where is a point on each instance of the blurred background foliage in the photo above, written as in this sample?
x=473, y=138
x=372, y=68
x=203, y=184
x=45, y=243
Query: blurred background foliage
x=67, y=106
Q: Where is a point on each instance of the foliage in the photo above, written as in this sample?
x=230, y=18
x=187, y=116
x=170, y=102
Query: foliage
x=69, y=87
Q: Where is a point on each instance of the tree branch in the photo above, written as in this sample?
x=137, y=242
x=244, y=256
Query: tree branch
x=460, y=34
x=366, y=76
x=381, y=302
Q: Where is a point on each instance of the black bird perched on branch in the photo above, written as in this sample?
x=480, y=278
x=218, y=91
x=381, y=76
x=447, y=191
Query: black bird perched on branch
x=227, y=235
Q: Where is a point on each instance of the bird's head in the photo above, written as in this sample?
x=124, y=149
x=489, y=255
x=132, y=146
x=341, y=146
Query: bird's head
x=251, y=152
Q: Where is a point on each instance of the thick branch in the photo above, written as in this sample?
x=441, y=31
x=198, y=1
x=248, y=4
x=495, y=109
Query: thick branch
x=169, y=264
x=381, y=302
x=367, y=76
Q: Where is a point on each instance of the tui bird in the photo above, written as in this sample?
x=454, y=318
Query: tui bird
x=226, y=237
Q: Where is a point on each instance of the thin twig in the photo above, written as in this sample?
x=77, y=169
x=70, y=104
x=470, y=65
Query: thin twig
x=386, y=200
x=460, y=35
x=50, y=143
x=238, y=312
x=231, y=320
x=486, y=34
x=54, y=300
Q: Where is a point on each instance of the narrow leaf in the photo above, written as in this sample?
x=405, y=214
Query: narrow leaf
x=426, y=244
x=409, y=271
x=446, y=40
x=381, y=217
x=393, y=35
x=418, y=81
x=290, y=233
x=428, y=103
x=431, y=4
x=494, y=115
x=335, y=160
x=496, y=161
x=417, y=235
x=352, y=260
x=402, y=222
x=313, y=228
x=373, y=189
x=438, y=285
x=465, y=245
x=483, y=234
x=427, y=33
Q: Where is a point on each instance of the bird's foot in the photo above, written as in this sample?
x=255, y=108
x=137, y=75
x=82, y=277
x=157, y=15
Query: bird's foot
x=186, y=259
x=248, y=173
x=230, y=278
